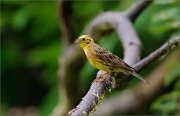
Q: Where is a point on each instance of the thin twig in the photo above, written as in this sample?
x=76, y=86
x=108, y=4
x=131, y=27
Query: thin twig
x=159, y=52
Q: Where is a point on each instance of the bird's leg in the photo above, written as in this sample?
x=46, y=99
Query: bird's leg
x=102, y=77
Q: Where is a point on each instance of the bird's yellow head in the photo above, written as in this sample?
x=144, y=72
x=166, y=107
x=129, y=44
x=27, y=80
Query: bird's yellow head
x=84, y=41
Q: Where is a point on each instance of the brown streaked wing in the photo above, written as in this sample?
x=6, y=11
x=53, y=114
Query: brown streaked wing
x=111, y=60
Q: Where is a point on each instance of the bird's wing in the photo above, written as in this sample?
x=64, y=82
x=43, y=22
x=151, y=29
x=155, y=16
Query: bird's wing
x=109, y=58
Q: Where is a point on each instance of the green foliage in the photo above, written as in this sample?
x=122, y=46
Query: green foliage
x=156, y=28
x=167, y=104
x=173, y=75
x=30, y=51
x=166, y=19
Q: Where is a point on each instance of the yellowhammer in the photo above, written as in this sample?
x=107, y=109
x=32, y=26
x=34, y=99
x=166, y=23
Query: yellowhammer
x=103, y=59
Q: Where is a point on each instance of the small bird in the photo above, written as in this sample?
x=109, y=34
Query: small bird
x=103, y=59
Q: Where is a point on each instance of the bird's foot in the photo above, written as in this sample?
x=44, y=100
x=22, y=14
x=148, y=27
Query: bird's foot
x=101, y=78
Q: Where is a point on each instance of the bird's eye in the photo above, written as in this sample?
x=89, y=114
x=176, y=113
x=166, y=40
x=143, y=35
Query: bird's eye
x=83, y=39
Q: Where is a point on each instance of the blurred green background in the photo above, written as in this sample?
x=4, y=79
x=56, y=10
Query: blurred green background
x=31, y=43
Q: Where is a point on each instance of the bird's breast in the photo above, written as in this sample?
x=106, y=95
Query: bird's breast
x=95, y=61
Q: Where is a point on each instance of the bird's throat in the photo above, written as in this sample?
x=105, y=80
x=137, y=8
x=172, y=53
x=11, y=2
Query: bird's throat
x=87, y=48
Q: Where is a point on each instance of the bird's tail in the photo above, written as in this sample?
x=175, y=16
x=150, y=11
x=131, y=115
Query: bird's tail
x=138, y=76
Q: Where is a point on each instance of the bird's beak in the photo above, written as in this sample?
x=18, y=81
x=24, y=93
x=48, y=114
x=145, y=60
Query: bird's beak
x=77, y=41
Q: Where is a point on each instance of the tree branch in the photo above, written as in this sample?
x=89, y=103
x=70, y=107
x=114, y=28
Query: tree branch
x=67, y=24
x=135, y=10
x=87, y=105
x=94, y=96
x=171, y=44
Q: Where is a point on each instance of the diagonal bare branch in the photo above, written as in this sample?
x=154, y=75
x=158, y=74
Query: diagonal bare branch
x=171, y=44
